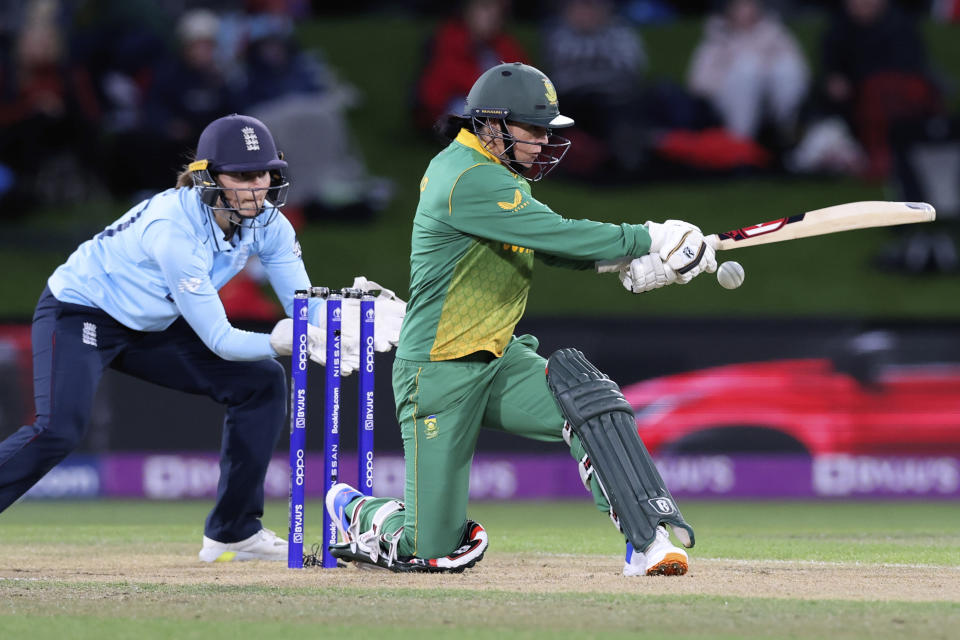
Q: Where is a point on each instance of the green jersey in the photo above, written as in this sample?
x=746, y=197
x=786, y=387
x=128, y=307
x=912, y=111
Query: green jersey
x=476, y=233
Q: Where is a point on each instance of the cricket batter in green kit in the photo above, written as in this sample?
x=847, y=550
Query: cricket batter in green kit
x=476, y=235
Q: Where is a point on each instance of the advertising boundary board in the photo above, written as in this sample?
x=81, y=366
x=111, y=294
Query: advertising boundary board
x=513, y=476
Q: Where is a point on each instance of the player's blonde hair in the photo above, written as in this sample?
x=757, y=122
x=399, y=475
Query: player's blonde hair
x=185, y=177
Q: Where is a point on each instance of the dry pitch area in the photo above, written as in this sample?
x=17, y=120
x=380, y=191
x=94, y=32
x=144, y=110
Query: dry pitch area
x=507, y=572
x=760, y=570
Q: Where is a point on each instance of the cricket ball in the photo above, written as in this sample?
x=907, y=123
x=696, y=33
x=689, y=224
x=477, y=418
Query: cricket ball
x=730, y=275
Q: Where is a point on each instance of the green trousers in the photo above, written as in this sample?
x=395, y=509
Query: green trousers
x=441, y=407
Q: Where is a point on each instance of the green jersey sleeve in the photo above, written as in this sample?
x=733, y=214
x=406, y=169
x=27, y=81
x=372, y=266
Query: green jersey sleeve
x=488, y=202
x=566, y=263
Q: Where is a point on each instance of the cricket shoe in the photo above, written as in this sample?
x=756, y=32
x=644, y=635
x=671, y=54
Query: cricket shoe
x=338, y=498
x=661, y=558
x=469, y=553
x=263, y=545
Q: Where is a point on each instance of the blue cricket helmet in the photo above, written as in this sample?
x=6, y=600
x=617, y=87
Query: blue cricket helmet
x=238, y=143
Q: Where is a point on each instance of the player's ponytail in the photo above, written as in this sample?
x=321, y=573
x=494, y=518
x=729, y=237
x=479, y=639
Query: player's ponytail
x=185, y=177
x=449, y=125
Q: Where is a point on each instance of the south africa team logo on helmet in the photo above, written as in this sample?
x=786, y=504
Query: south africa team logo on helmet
x=550, y=94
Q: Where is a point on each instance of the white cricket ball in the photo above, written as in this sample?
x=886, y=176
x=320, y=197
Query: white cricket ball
x=730, y=275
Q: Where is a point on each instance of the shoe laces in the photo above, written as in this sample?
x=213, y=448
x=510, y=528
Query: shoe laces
x=661, y=536
x=270, y=536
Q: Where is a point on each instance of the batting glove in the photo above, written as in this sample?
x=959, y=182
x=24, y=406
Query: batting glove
x=681, y=246
x=646, y=274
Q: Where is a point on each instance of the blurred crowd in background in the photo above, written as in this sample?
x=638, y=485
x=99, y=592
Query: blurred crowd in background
x=107, y=97
x=751, y=99
x=111, y=96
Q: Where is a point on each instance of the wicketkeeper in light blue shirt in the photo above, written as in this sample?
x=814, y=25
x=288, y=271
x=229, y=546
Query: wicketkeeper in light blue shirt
x=167, y=258
x=141, y=297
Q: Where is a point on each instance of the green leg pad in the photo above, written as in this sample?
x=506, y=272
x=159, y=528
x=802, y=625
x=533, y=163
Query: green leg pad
x=605, y=423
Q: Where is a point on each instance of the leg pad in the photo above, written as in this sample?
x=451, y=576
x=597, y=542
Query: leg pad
x=605, y=423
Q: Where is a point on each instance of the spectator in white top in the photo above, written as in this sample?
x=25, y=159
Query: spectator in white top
x=751, y=69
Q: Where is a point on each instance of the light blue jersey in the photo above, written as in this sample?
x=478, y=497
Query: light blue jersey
x=166, y=257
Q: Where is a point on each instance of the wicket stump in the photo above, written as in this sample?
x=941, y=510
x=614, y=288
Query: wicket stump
x=331, y=439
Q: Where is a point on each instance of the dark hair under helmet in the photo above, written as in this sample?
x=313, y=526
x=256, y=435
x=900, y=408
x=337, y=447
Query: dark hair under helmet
x=238, y=143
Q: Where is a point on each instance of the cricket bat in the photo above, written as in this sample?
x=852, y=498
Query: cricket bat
x=841, y=217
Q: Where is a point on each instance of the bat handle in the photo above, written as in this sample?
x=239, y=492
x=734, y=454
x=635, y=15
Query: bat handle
x=612, y=266
x=713, y=241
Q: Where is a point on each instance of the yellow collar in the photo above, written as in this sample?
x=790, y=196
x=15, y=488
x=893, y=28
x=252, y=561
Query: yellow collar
x=471, y=140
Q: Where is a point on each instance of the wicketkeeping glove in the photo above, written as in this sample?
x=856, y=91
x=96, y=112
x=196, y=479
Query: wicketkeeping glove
x=389, y=309
x=281, y=339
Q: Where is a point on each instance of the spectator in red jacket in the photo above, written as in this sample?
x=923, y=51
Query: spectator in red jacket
x=463, y=48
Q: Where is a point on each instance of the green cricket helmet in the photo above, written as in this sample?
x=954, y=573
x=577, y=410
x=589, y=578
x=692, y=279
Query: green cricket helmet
x=516, y=92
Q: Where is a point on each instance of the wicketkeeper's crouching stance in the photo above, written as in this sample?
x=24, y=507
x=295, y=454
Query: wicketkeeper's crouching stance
x=141, y=297
x=459, y=367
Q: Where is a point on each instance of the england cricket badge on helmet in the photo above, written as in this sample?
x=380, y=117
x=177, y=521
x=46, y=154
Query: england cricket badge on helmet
x=518, y=93
x=238, y=144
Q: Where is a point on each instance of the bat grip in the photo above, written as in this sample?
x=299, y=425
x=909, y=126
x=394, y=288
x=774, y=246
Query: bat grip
x=612, y=266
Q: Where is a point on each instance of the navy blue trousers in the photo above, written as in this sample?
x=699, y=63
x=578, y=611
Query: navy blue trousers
x=74, y=344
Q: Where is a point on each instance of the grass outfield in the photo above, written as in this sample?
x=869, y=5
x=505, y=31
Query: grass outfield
x=762, y=569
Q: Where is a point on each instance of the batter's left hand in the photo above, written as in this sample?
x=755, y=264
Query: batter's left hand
x=646, y=273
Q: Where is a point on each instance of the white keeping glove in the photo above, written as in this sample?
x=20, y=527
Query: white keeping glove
x=646, y=273
x=369, y=286
x=281, y=339
x=389, y=312
x=681, y=247
x=389, y=309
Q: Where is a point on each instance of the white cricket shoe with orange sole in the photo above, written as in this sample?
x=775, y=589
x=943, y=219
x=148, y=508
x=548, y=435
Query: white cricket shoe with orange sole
x=662, y=558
